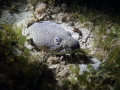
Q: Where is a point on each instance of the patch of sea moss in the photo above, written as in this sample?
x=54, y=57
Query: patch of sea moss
x=12, y=5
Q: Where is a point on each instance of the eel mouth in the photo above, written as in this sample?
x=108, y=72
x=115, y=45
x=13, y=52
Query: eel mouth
x=65, y=50
x=69, y=49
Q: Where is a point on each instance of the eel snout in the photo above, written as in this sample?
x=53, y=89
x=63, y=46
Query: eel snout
x=75, y=45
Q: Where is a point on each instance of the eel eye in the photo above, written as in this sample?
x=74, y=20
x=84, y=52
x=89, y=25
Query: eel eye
x=57, y=40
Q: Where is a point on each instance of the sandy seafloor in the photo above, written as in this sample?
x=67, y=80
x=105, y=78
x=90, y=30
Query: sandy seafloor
x=59, y=64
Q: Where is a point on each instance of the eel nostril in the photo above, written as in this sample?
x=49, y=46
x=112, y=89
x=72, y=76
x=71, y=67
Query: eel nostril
x=76, y=45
